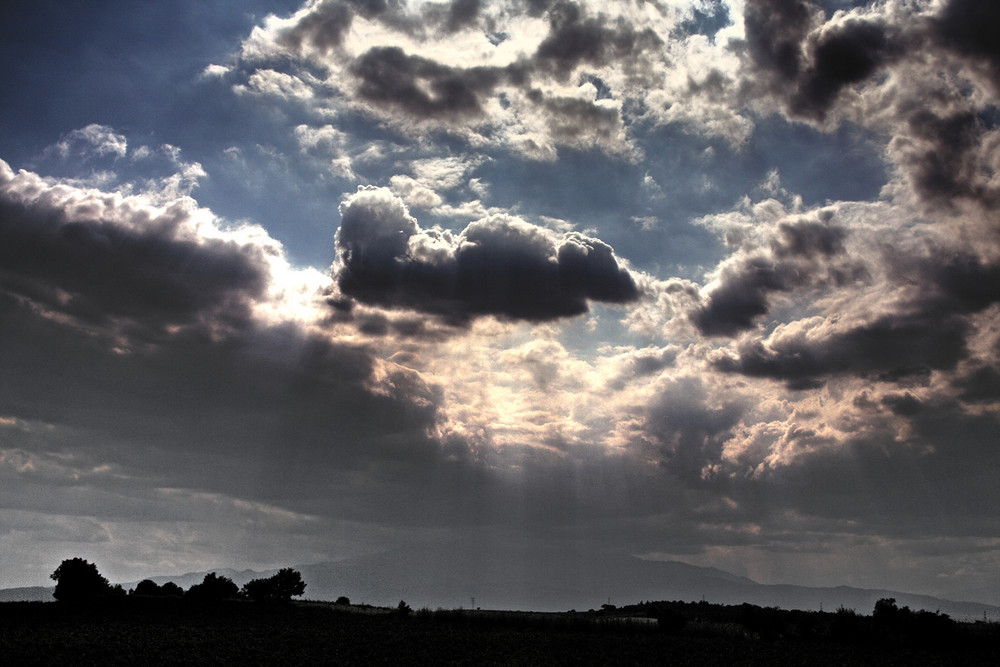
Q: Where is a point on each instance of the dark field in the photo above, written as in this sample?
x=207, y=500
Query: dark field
x=157, y=631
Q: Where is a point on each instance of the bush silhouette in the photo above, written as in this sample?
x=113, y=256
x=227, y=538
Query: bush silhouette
x=213, y=588
x=343, y=599
x=279, y=587
x=78, y=580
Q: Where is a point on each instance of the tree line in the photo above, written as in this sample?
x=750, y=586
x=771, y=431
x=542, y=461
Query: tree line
x=78, y=580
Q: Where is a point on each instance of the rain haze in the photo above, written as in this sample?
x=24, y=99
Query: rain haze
x=712, y=281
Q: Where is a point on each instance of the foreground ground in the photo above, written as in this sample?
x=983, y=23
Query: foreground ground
x=155, y=631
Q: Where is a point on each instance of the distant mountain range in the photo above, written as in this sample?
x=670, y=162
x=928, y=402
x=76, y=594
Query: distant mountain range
x=546, y=580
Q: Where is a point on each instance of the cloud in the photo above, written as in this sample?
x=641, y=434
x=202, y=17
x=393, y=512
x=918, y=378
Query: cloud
x=947, y=156
x=889, y=347
x=100, y=258
x=930, y=307
x=775, y=30
x=462, y=14
x=522, y=91
x=94, y=139
x=421, y=87
x=982, y=385
x=967, y=26
x=499, y=265
x=846, y=54
x=802, y=252
x=575, y=39
x=689, y=427
x=205, y=343
x=321, y=24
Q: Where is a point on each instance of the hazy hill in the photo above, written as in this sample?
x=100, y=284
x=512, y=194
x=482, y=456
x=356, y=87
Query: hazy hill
x=549, y=580
x=553, y=581
x=27, y=594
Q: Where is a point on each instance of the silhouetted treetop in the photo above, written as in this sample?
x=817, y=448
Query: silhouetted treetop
x=213, y=587
x=279, y=587
x=78, y=580
x=170, y=589
x=148, y=587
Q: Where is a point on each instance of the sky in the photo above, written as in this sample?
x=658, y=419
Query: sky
x=715, y=281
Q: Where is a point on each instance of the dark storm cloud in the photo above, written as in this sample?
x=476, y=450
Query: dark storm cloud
x=742, y=295
x=324, y=26
x=651, y=361
x=462, y=13
x=499, y=266
x=803, y=253
x=98, y=263
x=323, y=29
x=925, y=480
x=690, y=427
x=897, y=487
x=927, y=331
x=848, y=54
x=422, y=87
x=775, y=30
x=890, y=347
x=569, y=118
x=904, y=404
x=982, y=385
x=575, y=39
x=956, y=282
x=416, y=88
x=970, y=27
x=947, y=166
x=806, y=61
x=809, y=239
x=537, y=8
x=219, y=387
x=274, y=412
x=807, y=68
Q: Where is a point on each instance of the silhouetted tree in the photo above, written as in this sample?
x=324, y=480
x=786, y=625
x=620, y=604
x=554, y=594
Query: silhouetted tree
x=148, y=587
x=78, y=580
x=343, y=599
x=213, y=587
x=886, y=610
x=403, y=609
x=278, y=587
x=170, y=589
